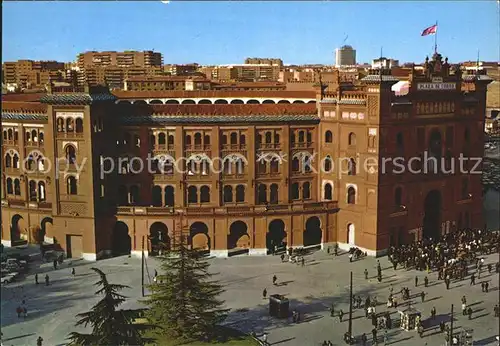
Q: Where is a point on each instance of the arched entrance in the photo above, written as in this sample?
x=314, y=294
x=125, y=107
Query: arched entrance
x=432, y=215
x=351, y=232
x=158, y=236
x=15, y=231
x=198, y=236
x=276, y=235
x=238, y=236
x=122, y=243
x=46, y=223
x=312, y=234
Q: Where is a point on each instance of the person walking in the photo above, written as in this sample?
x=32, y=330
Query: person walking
x=55, y=264
x=433, y=312
x=416, y=281
x=447, y=283
x=25, y=312
x=426, y=281
x=275, y=279
x=264, y=293
x=73, y=272
x=264, y=339
x=472, y=280
x=47, y=279
x=39, y=341
x=364, y=339
x=469, y=312
x=332, y=311
x=422, y=296
x=19, y=310
x=496, y=311
x=36, y=279
x=303, y=262
x=366, y=274
x=282, y=257
x=341, y=315
x=374, y=336
x=464, y=309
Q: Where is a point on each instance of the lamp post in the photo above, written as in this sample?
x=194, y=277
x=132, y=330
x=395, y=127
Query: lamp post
x=349, y=328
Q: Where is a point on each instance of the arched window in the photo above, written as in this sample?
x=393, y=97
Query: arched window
x=240, y=166
x=465, y=188
x=262, y=167
x=34, y=135
x=17, y=187
x=328, y=192
x=134, y=194
x=328, y=137
x=32, y=190
x=276, y=138
x=292, y=139
x=41, y=137
x=327, y=164
x=242, y=140
x=352, y=167
x=351, y=195
x=5, y=135
x=352, y=139
x=171, y=140
x=8, y=161
x=192, y=194
x=223, y=140
x=205, y=194
x=79, y=125
x=273, y=194
x=127, y=139
x=206, y=140
x=268, y=137
x=197, y=138
x=228, y=194
x=295, y=164
x=15, y=161
x=188, y=140
x=60, y=125
x=161, y=138
x=275, y=165
x=259, y=139
x=9, y=134
x=123, y=195
x=398, y=196
x=227, y=167
x=301, y=136
x=40, y=164
x=234, y=138
x=28, y=136
x=41, y=191
x=309, y=137
x=262, y=194
x=156, y=196
x=240, y=193
x=71, y=185
x=295, y=191
x=70, y=125
x=152, y=141
x=31, y=163
x=399, y=142
x=71, y=154
x=10, y=187
x=16, y=135
x=169, y=196
x=306, y=162
x=306, y=190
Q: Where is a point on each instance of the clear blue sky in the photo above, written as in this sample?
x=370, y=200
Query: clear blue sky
x=227, y=32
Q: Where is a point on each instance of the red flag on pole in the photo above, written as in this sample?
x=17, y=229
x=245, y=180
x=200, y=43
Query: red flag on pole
x=430, y=30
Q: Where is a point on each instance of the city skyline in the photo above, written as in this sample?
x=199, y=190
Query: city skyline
x=219, y=31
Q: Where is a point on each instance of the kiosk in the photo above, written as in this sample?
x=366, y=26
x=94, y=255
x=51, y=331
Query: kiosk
x=410, y=318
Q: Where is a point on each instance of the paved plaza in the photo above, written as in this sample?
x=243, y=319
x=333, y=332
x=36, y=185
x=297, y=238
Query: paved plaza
x=311, y=290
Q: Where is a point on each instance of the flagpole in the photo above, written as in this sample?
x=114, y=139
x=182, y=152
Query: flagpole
x=435, y=39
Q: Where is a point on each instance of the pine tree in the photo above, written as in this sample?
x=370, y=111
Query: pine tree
x=109, y=325
x=184, y=303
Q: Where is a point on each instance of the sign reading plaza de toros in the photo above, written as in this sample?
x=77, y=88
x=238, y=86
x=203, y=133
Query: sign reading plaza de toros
x=436, y=86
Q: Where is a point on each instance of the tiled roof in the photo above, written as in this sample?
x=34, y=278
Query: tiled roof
x=222, y=119
x=122, y=94
x=23, y=107
x=9, y=115
x=378, y=78
x=27, y=97
x=76, y=98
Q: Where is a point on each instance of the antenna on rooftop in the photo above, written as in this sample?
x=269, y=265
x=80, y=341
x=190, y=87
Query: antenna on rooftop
x=345, y=39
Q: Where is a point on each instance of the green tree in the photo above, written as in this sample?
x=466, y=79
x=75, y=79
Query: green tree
x=184, y=303
x=109, y=325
